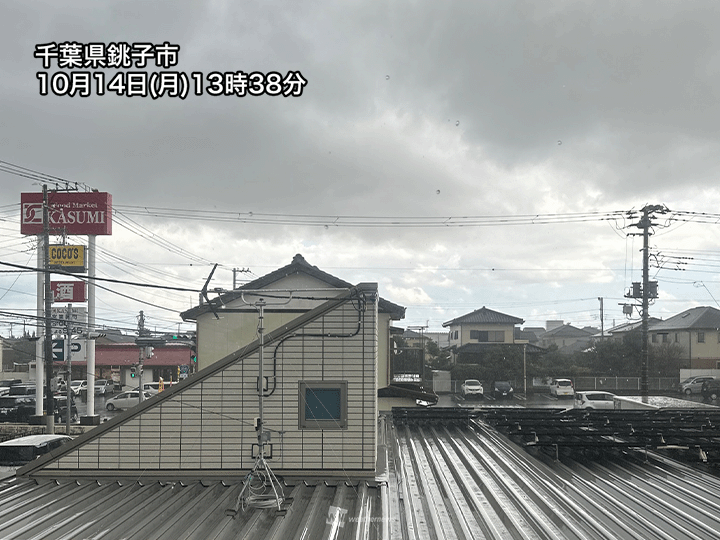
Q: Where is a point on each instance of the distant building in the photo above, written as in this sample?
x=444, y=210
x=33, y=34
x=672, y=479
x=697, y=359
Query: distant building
x=696, y=331
x=567, y=338
x=471, y=335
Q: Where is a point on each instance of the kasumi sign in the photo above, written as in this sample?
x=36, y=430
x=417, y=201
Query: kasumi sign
x=68, y=258
x=69, y=213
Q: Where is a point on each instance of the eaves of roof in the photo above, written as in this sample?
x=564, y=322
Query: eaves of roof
x=484, y=315
x=298, y=266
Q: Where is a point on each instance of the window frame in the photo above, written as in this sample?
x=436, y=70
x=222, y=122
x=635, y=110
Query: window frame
x=339, y=423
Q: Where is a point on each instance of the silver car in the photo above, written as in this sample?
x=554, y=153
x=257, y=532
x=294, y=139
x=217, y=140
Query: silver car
x=125, y=400
x=104, y=386
x=594, y=400
x=693, y=385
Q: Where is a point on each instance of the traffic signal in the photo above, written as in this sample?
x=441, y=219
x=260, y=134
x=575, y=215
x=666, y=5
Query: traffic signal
x=133, y=372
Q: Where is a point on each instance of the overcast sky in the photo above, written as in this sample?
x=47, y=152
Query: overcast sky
x=432, y=110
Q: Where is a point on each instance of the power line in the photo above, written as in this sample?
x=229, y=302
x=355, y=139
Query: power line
x=86, y=277
x=328, y=221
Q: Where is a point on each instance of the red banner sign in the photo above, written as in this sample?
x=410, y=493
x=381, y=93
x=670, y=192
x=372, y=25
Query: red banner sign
x=68, y=291
x=68, y=213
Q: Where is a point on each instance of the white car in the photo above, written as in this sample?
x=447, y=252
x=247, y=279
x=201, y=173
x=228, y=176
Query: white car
x=125, y=400
x=594, y=399
x=561, y=388
x=78, y=386
x=472, y=388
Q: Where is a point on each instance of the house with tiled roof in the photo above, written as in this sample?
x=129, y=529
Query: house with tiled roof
x=482, y=326
x=229, y=321
x=567, y=338
x=696, y=331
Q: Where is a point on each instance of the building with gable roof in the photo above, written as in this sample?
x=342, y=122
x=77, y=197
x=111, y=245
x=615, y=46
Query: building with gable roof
x=482, y=326
x=319, y=404
x=696, y=331
x=230, y=321
x=567, y=338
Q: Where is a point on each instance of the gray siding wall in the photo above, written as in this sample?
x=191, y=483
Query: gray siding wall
x=208, y=425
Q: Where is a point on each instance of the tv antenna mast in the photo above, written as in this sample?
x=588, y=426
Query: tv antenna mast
x=261, y=489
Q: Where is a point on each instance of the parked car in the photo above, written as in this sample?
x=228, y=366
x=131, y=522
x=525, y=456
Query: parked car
x=60, y=402
x=711, y=389
x=22, y=450
x=6, y=384
x=125, y=400
x=562, y=388
x=502, y=390
x=104, y=386
x=472, y=388
x=594, y=399
x=78, y=386
x=693, y=385
x=22, y=390
x=17, y=409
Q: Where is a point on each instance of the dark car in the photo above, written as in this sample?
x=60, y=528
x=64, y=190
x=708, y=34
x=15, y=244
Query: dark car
x=502, y=390
x=22, y=390
x=6, y=384
x=711, y=389
x=16, y=409
x=60, y=403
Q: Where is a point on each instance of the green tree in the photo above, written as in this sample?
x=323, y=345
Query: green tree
x=666, y=360
x=436, y=358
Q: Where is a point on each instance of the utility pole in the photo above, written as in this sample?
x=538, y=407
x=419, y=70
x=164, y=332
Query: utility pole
x=47, y=349
x=68, y=376
x=648, y=290
x=602, y=319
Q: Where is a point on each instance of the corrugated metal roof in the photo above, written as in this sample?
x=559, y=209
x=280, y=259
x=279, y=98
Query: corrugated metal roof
x=468, y=481
x=54, y=510
x=448, y=477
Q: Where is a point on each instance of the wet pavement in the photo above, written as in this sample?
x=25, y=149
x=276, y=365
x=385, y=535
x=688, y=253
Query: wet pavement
x=100, y=406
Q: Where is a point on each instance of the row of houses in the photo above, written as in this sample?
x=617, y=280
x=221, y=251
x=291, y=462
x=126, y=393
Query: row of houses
x=695, y=332
x=230, y=321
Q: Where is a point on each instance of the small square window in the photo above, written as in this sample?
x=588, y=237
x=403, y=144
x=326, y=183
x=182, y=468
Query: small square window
x=322, y=404
x=701, y=337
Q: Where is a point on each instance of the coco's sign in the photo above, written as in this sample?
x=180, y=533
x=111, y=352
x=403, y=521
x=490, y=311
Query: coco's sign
x=68, y=213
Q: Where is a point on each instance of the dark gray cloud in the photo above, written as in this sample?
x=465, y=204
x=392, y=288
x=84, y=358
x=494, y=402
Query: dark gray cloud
x=435, y=109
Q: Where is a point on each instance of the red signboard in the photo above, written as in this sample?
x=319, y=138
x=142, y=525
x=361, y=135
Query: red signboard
x=68, y=291
x=68, y=213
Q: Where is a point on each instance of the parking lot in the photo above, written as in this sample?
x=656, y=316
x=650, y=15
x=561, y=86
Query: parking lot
x=543, y=400
x=100, y=409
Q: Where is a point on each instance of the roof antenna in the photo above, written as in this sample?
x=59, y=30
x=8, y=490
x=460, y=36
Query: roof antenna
x=204, y=293
x=261, y=488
